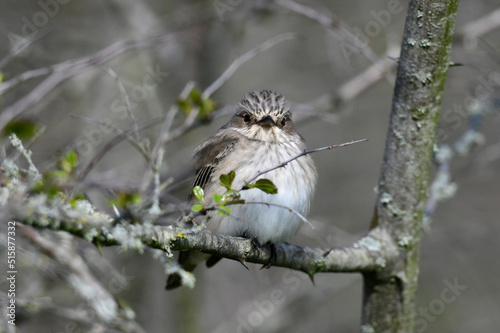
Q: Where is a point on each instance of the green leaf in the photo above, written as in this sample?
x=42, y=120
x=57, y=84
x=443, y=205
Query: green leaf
x=56, y=174
x=23, y=128
x=196, y=208
x=75, y=199
x=206, y=108
x=195, y=95
x=217, y=198
x=227, y=180
x=224, y=210
x=72, y=158
x=266, y=186
x=199, y=194
x=126, y=199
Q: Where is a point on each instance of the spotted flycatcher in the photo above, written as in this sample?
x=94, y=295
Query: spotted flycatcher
x=258, y=137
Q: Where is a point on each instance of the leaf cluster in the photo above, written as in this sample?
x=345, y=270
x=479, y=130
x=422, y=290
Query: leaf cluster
x=231, y=196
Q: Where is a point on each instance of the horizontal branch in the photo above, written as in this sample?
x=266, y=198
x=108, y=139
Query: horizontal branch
x=372, y=253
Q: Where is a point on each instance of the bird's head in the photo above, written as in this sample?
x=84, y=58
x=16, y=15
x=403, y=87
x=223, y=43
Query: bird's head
x=264, y=116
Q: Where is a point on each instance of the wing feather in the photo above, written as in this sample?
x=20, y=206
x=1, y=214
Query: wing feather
x=209, y=154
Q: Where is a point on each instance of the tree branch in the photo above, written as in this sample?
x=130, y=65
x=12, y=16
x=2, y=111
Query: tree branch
x=370, y=254
x=389, y=298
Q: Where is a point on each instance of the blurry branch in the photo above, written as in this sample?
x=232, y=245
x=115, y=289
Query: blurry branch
x=113, y=142
x=67, y=69
x=165, y=133
x=79, y=316
x=20, y=46
x=311, y=13
x=378, y=70
x=348, y=91
x=244, y=58
x=224, y=111
x=126, y=98
x=80, y=278
x=477, y=28
x=336, y=27
x=442, y=187
x=134, y=141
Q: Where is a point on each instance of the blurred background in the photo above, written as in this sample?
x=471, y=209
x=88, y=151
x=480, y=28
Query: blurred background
x=336, y=70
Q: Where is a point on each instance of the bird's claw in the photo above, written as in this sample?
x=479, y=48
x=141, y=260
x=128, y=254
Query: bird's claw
x=272, y=258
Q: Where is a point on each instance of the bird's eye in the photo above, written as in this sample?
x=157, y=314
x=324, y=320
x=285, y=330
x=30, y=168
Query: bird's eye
x=246, y=118
x=283, y=121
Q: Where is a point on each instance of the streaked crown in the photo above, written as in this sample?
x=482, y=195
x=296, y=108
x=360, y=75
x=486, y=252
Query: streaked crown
x=264, y=102
x=265, y=116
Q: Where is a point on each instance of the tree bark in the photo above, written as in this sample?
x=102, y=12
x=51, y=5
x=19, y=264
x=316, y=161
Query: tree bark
x=389, y=293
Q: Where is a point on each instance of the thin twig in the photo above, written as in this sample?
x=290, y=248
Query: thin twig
x=164, y=133
x=335, y=26
x=126, y=98
x=19, y=47
x=133, y=141
x=356, y=85
x=244, y=58
x=291, y=210
x=281, y=165
x=155, y=210
x=99, y=298
x=477, y=28
x=113, y=142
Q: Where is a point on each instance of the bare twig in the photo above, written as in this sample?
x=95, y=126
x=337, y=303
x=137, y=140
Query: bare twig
x=164, y=134
x=81, y=279
x=309, y=12
x=125, y=96
x=291, y=210
x=61, y=72
x=32, y=98
x=113, y=142
x=378, y=70
x=133, y=141
x=244, y=58
x=477, y=28
x=336, y=27
x=21, y=45
x=281, y=165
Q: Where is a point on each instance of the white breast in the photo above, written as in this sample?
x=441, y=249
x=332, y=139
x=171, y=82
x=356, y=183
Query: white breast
x=295, y=183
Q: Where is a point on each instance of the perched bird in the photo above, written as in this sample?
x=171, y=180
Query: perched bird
x=258, y=137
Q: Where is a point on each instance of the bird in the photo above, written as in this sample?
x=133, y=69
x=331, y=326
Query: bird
x=259, y=136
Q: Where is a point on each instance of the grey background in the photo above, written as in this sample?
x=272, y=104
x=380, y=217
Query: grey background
x=460, y=245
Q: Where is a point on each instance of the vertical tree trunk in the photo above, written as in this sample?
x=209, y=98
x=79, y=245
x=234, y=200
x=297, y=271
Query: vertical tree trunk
x=389, y=294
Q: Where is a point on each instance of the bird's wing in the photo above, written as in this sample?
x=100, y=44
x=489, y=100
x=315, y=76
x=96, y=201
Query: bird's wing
x=209, y=154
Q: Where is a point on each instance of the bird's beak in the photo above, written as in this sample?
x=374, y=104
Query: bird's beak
x=267, y=121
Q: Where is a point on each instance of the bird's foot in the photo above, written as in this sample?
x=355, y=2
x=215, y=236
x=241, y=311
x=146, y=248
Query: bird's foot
x=272, y=258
